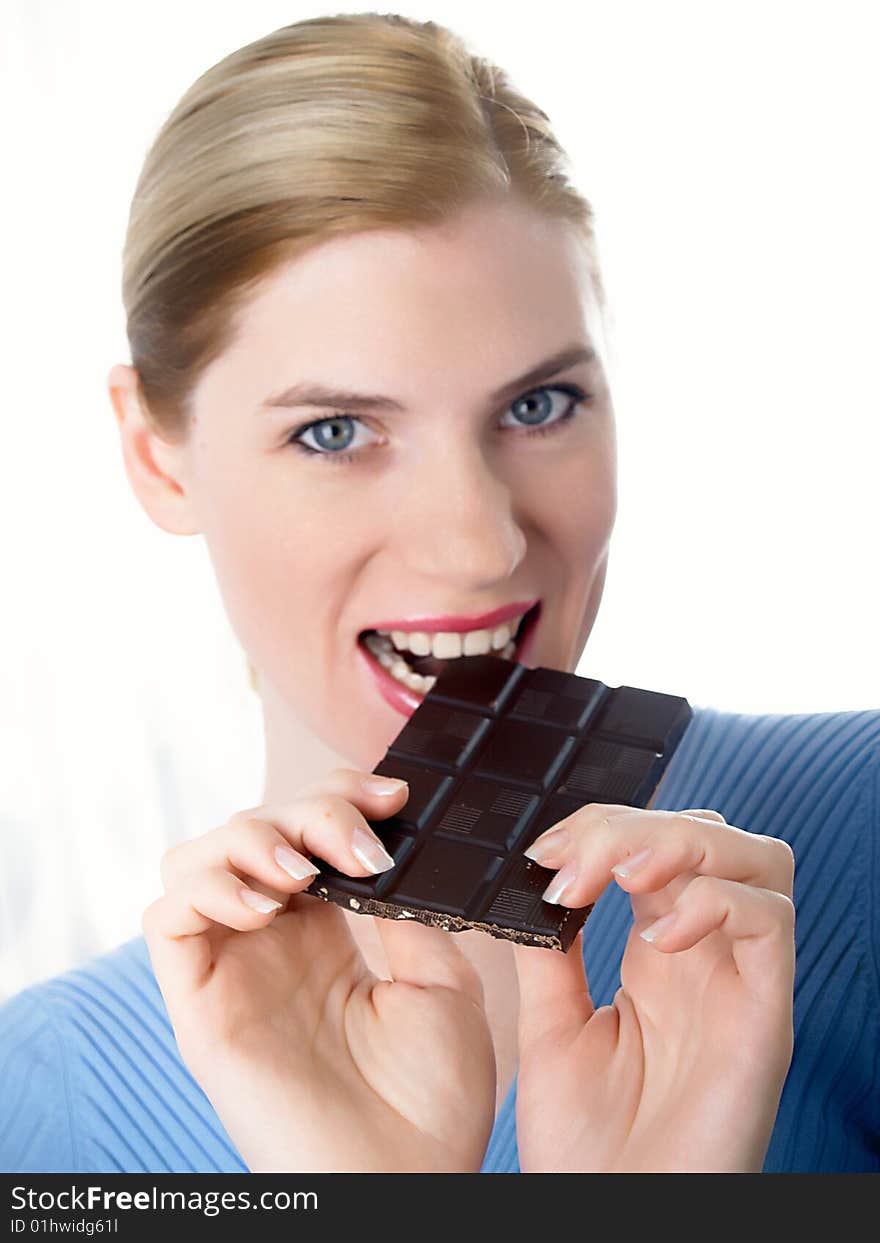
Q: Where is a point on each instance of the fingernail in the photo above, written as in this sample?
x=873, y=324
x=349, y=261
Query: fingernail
x=659, y=926
x=369, y=851
x=560, y=883
x=626, y=867
x=258, y=901
x=294, y=864
x=383, y=785
x=547, y=844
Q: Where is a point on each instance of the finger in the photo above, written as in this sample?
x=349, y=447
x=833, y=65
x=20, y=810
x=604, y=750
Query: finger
x=758, y=922
x=644, y=850
x=554, y=994
x=647, y=907
x=427, y=956
x=174, y=925
x=327, y=820
x=261, y=856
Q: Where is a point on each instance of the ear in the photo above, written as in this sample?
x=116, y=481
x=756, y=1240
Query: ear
x=156, y=469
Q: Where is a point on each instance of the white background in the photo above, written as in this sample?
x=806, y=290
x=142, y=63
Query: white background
x=730, y=151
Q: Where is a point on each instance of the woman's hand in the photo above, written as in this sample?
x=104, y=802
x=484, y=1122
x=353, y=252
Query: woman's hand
x=684, y=1071
x=311, y=1061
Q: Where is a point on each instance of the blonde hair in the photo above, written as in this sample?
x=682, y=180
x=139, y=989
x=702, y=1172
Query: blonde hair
x=335, y=124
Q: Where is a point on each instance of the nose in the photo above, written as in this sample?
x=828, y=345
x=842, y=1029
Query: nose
x=457, y=522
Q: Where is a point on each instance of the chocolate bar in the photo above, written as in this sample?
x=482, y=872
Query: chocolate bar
x=495, y=754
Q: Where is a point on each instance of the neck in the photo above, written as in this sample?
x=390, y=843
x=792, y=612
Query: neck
x=295, y=757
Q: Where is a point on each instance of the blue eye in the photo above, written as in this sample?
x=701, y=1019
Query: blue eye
x=334, y=435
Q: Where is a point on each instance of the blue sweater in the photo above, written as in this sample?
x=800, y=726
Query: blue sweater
x=91, y=1079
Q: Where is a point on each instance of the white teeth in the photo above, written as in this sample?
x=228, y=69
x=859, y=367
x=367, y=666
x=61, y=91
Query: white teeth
x=399, y=668
x=500, y=636
x=475, y=643
x=419, y=644
x=446, y=645
x=381, y=648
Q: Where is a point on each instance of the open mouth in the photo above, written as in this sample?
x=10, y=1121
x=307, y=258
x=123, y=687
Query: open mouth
x=418, y=671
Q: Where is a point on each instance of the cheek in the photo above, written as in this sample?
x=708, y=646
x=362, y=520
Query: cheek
x=278, y=571
x=582, y=505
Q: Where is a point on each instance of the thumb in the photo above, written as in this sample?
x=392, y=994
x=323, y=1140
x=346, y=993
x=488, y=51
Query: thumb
x=427, y=956
x=554, y=994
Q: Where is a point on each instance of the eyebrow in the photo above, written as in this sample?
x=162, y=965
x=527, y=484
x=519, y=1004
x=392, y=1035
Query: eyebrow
x=307, y=393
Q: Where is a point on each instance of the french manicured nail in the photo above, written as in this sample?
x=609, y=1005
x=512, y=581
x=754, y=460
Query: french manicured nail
x=547, y=844
x=294, y=864
x=369, y=851
x=560, y=883
x=383, y=785
x=626, y=867
x=258, y=901
x=659, y=926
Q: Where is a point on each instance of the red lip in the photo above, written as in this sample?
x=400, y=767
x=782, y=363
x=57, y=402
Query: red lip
x=457, y=623
x=406, y=701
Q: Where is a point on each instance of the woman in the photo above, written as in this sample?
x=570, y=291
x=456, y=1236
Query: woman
x=369, y=366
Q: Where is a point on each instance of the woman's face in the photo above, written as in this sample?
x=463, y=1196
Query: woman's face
x=448, y=502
